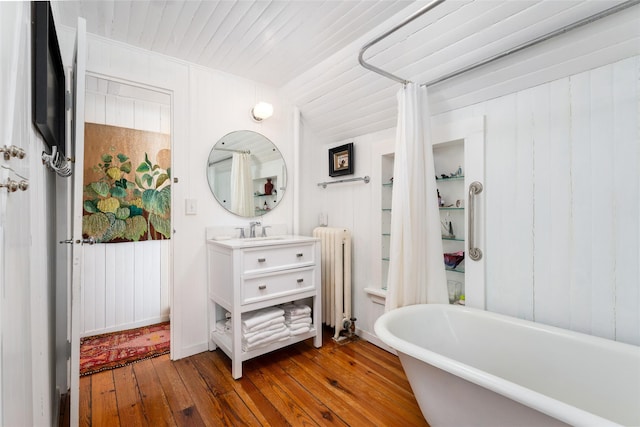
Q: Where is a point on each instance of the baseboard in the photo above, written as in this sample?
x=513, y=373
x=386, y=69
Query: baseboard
x=125, y=326
x=373, y=339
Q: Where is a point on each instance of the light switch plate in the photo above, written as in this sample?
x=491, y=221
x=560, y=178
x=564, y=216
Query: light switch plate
x=191, y=206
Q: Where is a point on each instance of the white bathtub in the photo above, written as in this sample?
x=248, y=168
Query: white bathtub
x=470, y=367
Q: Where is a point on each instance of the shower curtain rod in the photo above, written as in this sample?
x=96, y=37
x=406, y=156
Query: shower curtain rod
x=234, y=151
x=433, y=4
x=224, y=159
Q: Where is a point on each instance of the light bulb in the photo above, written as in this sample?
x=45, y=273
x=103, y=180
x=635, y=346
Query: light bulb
x=262, y=110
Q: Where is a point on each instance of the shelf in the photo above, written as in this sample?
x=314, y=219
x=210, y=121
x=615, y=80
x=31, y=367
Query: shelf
x=453, y=178
x=388, y=184
x=265, y=195
x=386, y=209
x=458, y=269
x=386, y=234
x=452, y=239
x=451, y=209
x=385, y=259
x=224, y=341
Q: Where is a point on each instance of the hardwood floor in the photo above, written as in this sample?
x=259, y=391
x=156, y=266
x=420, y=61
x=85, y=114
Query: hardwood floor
x=356, y=384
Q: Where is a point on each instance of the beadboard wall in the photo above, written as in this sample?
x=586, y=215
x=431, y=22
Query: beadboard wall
x=562, y=202
x=206, y=105
x=126, y=285
x=30, y=335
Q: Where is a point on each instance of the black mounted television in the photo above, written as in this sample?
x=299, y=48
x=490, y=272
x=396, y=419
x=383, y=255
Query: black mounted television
x=48, y=97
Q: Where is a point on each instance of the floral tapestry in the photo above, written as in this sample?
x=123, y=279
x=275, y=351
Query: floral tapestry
x=127, y=184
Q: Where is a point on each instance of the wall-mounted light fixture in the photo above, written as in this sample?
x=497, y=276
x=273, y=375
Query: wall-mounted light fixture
x=262, y=110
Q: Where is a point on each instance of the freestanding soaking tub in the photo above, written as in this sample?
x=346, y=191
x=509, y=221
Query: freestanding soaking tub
x=469, y=367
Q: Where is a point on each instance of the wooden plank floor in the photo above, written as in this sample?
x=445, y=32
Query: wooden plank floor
x=356, y=384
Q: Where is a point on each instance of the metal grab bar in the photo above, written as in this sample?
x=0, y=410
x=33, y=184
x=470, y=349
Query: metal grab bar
x=366, y=180
x=474, y=189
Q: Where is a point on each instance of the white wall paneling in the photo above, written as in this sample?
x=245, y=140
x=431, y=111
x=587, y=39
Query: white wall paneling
x=206, y=105
x=349, y=205
x=563, y=200
x=126, y=285
x=122, y=286
x=28, y=394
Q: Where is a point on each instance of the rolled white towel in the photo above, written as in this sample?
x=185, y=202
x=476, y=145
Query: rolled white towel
x=263, y=335
x=265, y=325
x=255, y=318
x=281, y=336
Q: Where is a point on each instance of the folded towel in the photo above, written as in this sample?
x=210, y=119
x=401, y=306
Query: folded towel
x=263, y=335
x=281, y=336
x=255, y=318
x=305, y=320
x=273, y=327
x=265, y=325
x=299, y=331
x=296, y=317
x=296, y=309
x=294, y=326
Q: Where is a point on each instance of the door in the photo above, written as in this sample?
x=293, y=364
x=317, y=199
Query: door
x=77, y=137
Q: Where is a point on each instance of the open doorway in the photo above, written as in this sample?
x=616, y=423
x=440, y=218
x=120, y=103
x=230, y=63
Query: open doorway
x=127, y=211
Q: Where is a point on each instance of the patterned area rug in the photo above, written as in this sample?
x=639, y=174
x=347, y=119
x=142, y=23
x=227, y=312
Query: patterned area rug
x=116, y=349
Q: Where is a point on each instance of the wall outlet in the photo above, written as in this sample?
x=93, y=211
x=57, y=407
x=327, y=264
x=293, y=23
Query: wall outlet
x=191, y=206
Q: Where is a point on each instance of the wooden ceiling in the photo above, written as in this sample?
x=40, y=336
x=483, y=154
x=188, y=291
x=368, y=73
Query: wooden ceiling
x=265, y=41
x=309, y=49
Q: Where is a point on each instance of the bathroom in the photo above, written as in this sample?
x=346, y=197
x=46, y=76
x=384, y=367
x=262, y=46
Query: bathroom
x=547, y=258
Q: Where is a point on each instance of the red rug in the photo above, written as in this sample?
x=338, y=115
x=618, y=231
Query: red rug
x=116, y=349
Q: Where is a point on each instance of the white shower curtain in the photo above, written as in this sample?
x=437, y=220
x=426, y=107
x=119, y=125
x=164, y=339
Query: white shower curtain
x=241, y=185
x=416, y=267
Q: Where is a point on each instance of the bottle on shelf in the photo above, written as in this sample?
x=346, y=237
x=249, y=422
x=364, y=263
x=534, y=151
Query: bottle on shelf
x=439, y=198
x=268, y=187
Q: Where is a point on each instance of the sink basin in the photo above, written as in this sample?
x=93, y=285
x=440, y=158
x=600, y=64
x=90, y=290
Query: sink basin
x=281, y=239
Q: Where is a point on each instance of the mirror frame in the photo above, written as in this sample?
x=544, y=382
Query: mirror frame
x=279, y=178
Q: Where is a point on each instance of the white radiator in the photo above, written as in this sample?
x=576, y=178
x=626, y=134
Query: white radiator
x=336, y=276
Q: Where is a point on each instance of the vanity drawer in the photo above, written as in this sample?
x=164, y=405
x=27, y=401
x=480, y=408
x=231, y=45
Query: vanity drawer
x=277, y=258
x=275, y=285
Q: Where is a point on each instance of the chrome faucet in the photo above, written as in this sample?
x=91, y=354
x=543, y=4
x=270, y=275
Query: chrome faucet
x=252, y=229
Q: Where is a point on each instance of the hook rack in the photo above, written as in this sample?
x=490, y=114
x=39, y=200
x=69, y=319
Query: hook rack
x=366, y=180
x=12, y=151
x=13, y=186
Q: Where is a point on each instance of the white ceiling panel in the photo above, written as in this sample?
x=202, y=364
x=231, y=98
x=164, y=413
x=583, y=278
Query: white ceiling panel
x=309, y=48
x=266, y=41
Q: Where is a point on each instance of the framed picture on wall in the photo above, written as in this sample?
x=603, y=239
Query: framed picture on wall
x=341, y=160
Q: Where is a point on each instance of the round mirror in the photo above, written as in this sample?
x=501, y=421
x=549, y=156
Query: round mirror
x=247, y=174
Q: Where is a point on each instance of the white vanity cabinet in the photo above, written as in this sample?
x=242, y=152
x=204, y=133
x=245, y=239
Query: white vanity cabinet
x=245, y=275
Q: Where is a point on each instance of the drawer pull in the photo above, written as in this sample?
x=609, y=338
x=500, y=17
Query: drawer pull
x=300, y=280
x=262, y=259
x=300, y=255
x=262, y=287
